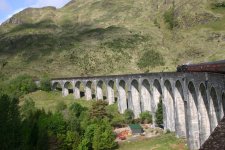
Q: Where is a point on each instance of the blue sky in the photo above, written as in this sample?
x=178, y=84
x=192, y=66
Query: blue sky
x=10, y=7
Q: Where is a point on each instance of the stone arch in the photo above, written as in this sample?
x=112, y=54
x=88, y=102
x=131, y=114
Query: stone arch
x=215, y=110
x=157, y=93
x=223, y=103
x=67, y=88
x=88, y=90
x=145, y=96
x=79, y=90
x=99, y=90
x=110, y=92
x=193, y=124
x=56, y=86
x=180, y=124
x=169, y=105
x=135, y=98
x=122, y=96
x=203, y=109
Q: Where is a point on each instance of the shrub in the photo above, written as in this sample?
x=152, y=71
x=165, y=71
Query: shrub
x=98, y=110
x=146, y=117
x=170, y=19
x=150, y=59
x=60, y=106
x=45, y=84
x=104, y=138
x=27, y=108
x=129, y=116
x=76, y=109
x=159, y=113
x=218, y=4
x=21, y=85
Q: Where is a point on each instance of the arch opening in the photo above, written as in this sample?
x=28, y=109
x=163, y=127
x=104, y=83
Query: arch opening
x=157, y=95
x=180, y=110
x=99, y=90
x=79, y=90
x=68, y=88
x=56, y=86
x=223, y=103
x=203, y=108
x=193, y=123
x=110, y=92
x=169, y=106
x=88, y=91
x=135, y=103
x=215, y=111
x=145, y=96
x=122, y=96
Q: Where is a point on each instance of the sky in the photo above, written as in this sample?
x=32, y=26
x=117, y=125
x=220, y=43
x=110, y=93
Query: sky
x=10, y=7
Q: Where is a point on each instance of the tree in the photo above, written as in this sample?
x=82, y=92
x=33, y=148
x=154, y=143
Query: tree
x=4, y=112
x=129, y=116
x=27, y=108
x=104, y=138
x=72, y=140
x=146, y=117
x=76, y=109
x=10, y=137
x=98, y=110
x=159, y=113
x=45, y=84
x=21, y=85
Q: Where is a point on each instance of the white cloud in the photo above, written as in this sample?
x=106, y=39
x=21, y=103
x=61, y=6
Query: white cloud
x=56, y=3
x=4, y=6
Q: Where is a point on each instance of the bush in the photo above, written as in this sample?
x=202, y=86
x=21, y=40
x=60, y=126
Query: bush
x=150, y=59
x=146, y=117
x=76, y=109
x=21, y=85
x=45, y=84
x=159, y=113
x=98, y=110
x=218, y=4
x=10, y=123
x=170, y=19
x=60, y=106
x=27, y=108
x=104, y=138
x=129, y=116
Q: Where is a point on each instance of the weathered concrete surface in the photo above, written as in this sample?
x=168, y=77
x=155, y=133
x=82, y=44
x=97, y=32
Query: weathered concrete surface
x=193, y=103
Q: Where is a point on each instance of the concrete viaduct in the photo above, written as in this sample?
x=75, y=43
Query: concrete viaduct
x=193, y=103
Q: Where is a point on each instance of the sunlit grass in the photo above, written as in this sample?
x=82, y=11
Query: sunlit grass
x=162, y=142
x=49, y=100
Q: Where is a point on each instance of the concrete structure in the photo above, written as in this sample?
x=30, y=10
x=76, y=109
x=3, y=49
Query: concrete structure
x=193, y=103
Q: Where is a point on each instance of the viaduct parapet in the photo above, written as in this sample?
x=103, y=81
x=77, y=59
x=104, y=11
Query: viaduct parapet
x=193, y=103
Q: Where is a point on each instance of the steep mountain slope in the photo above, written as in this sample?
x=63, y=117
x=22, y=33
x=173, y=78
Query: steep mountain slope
x=95, y=37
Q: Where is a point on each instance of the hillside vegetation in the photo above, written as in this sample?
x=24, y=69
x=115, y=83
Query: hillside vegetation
x=111, y=37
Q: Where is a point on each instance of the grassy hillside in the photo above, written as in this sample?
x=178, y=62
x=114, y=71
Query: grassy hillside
x=111, y=37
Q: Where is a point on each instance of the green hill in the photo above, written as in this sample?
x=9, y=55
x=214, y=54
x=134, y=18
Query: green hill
x=112, y=37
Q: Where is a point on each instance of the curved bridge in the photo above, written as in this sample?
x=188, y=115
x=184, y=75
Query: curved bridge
x=193, y=103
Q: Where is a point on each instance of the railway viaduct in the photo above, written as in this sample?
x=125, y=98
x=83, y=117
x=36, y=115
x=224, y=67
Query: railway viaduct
x=193, y=103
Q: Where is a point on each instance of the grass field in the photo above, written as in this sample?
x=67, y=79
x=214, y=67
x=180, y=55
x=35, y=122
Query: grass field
x=163, y=142
x=50, y=100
